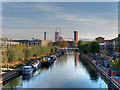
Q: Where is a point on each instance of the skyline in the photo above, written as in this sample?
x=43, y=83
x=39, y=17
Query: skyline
x=90, y=19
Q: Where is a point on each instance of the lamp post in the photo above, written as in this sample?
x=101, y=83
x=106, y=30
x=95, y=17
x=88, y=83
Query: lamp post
x=114, y=48
x=105, y=53
x=104, y=45
x=95, y=51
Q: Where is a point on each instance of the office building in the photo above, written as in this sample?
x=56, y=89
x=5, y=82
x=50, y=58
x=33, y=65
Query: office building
x=34, y=42
x=6, y=44
x=45, y=35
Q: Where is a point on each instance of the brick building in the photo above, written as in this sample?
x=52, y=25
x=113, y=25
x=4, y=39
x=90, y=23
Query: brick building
x=76, y=36
x=111, y=47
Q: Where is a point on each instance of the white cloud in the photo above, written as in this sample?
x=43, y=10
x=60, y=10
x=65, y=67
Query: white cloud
x=92, y=28
x=56, y=11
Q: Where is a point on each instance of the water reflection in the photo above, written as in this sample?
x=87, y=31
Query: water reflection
x=68, y=71
x=62, y=60
x=26, y=77
x=29, y=77
x=92, y=72
x=76, y=59
x=16, y=83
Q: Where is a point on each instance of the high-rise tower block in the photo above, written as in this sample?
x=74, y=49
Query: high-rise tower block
x=45, y=35
x=76, y=36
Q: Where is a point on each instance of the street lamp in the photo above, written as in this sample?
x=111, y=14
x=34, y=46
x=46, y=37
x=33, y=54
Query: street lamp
x=114, y=48
x=104, y=44
x=105, y=52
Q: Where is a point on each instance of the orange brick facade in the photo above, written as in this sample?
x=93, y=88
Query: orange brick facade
x=76, y=36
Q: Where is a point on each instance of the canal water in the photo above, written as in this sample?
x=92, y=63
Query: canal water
x=68, y=71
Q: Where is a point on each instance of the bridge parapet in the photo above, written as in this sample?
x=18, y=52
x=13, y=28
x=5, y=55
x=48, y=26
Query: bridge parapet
x=68, y=48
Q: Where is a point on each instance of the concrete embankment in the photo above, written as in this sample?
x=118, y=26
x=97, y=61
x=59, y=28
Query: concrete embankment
x=104, y=72
x=9, y=75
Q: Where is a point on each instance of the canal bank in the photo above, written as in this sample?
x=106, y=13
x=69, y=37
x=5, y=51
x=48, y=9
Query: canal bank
x=103, y=72
x=9, y=75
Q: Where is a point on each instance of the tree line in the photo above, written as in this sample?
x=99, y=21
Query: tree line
x=88, y=47
x=93, y=47
x=20, y=52
x=85, y=47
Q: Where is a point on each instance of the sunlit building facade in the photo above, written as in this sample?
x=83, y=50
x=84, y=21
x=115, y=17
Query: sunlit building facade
x=76, y=36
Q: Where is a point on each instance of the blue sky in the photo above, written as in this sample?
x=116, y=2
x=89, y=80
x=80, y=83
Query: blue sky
x=26, y=20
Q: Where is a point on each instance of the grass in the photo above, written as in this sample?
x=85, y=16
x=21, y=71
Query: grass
x=5, y=70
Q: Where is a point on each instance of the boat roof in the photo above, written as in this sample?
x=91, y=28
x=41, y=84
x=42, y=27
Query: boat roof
x=28, y=66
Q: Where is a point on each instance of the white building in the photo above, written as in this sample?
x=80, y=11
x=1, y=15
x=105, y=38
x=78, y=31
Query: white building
x=5, y=44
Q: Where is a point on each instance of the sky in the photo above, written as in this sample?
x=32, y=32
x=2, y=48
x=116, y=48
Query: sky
x=25, y=20
x=60, y=0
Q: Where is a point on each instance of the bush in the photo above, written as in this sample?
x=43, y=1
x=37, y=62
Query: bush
x=5, y=70
x=116, y=65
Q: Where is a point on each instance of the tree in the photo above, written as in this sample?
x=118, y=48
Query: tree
x=74, y=44
x=12, y=55
x=116, y=65
x=4, y=58
x=28, y=53
x=94, y=47
x=50, y=43
x=56, y=49
x=80, y=42
x=84, y=48
x=88, y=47
x=4, y=39
x=20, y=51
x=62, y=44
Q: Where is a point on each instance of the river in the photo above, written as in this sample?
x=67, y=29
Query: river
x=68, y=71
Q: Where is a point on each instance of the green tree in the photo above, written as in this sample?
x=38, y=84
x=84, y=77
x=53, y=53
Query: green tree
x=12, y=55
x=4, y=39
x=4, y=58
x=28, y=53
x=80, y=43
x=20, y=51
x=94, y=47
x=116, y=65
x=84, y=48
x=50, y=43
x=34, y=50
x=62, y=44
x=74, y=44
